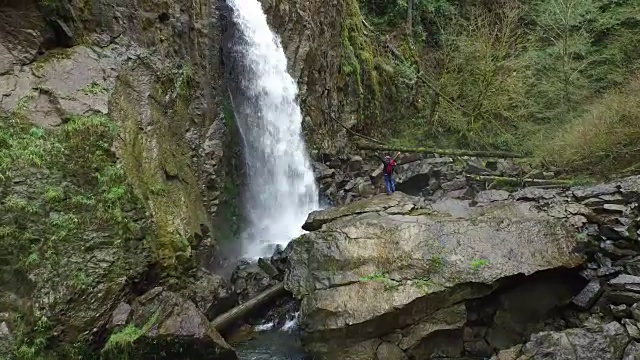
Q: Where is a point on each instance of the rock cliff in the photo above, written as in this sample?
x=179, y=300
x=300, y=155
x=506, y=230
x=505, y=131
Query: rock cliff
x=117, y=161
x=455, y=278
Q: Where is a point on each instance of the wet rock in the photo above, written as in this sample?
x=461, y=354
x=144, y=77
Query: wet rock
x=279, y=259
x=23, y=31
x=388, y=351
x=594, y=191
x=453, y=185
x=355, y=163
x=120, y=316
x=613, y=208
x=589, y=295
x=173, y=327
x=623, y=297
x=476, y=168
x=268, y=268
x=391, y=254
x=462, y=194
x=605, y=342
x=211, y=293
x=479, y=349
x=535, y=194
x=509, y=354
x=632, y=352
x=635, y=311
x=614, y=232
x=626, y=282
x=491, y=196
x=632, y=328
x=249, y=280
x=620, y=311
x=7, y=340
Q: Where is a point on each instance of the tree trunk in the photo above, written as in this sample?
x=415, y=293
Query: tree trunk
x=520, y=181
x=452, y=152
x=242, y=310
x=410, y=17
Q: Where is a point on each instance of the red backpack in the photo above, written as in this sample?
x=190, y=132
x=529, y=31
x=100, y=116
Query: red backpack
x=389, y=167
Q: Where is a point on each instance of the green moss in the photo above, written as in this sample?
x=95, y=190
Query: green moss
x=120, y=342
x=157, y=161
x=357, y=57
x=64, y=197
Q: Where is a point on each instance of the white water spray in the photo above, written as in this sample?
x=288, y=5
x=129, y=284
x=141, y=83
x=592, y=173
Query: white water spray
x=281, y=187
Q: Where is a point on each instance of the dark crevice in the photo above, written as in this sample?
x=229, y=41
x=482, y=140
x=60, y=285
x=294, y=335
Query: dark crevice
x=163, y=17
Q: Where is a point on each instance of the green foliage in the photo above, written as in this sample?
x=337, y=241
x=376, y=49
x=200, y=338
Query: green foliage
x=603, y=139
x=504, y=74
x=62, y=193
x=121, y=341
x=477, y=264
x=389, y=284
x=95, y=88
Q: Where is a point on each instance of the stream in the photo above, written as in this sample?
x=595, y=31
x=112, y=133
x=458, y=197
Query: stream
x=272, y=345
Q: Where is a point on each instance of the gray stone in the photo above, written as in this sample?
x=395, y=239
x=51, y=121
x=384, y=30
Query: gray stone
x=179, y=329
x=456, y=184
x=620, y=311
x=616, y=232
x=120, y=315
x=395, y=255
x=635, y=311
x=594, y=191
x=7, y=340
x=388, y=351
x=355, y=163
x=632, y=352
x=615, y=208
x=491, y=196
x=591, y=343
x=626, y=282
x=632, y=328
x=589, y=295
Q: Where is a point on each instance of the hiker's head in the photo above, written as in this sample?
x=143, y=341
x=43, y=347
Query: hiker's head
x=387, y=156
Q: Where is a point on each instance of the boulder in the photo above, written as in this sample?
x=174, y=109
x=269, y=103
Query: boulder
x=604, y=342
x=395, y=264
x=165, y=325
x=211, y=293
x=7, y=340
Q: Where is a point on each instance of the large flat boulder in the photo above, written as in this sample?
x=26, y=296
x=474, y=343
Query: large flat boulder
x=602, y=342
x=393, y=264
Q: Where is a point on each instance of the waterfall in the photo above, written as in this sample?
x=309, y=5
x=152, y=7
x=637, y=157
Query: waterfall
x=281, y=189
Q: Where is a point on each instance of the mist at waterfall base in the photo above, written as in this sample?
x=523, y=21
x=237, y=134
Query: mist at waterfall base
x=280, y=187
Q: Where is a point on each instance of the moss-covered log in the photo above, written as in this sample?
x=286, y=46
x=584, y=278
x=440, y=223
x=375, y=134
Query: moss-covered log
x=452, y=152
x=521, y=181
x=242, y=310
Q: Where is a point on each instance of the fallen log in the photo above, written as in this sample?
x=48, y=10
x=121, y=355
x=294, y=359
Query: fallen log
x=452, y=152
x=520, y=181
x=242, y=310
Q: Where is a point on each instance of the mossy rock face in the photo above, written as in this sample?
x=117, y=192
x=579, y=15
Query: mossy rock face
x=157, y=159
x=74, y=232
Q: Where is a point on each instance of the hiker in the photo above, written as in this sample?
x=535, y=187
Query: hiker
x=389, y=164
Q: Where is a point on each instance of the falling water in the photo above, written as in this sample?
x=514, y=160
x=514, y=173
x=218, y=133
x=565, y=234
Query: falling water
x=281, y=187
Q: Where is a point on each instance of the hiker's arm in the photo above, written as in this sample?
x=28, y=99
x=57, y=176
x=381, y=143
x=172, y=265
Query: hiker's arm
x=395, y=157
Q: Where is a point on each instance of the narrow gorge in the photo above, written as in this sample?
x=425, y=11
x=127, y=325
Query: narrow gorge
x=200, y=180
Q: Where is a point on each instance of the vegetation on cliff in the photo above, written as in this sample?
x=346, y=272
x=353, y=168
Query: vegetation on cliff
x=541, y=77
x=70, y=228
